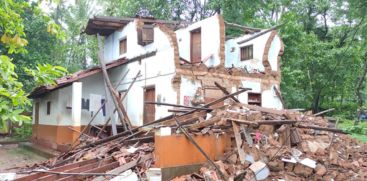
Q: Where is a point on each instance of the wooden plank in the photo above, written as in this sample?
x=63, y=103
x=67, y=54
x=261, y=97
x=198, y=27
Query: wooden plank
x=266, y=110
x=239, y=141
x=161, y=120
x=58, y=169
x=125, y=167
x=100, y=169
x=113, y=92
x=205, y=123
x=224, y=90
x=82, y=168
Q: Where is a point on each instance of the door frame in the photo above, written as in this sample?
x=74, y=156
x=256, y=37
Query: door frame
x=192, y=44
x=145, y=88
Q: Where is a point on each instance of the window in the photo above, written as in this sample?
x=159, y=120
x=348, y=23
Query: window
x=246, y=52
x=254, y=99
x=48, y=107
x=123, y=46
x=145, y=35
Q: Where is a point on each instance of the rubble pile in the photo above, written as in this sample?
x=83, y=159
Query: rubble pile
x=283, y=150
x=267, y=144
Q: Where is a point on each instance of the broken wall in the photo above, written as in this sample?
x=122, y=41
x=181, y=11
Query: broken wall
x=267, y=47
x=210, y=40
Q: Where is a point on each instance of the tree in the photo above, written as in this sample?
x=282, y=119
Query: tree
x=13, y=99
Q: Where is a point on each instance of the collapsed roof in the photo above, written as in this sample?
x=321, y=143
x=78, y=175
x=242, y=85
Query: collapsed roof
x=67, y=80
x=105, y=25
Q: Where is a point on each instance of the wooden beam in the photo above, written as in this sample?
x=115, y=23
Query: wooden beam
x=259, y=34
x=266, y=110
x=113, y=92
x=239, y=141
x=224, y=90
x=322, y=128
x=221, y=174
x=176, y=105
x=164, y=119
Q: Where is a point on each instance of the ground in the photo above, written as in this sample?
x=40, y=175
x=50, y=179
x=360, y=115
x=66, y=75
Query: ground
x=12, y=156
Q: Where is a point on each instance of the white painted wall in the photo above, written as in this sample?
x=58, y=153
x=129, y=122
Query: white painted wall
x=269, y=99
x=188, y=89
x=112, y=43
x=210, y=40
x=232, y=52
x=274, y=51
x=155, y=71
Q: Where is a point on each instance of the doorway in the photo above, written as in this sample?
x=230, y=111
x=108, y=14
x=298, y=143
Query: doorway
x=149, y=109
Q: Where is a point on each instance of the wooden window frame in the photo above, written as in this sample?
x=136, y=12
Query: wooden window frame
x=247, y=52
x=124, y=40
x=48, y=107
x=254, y=102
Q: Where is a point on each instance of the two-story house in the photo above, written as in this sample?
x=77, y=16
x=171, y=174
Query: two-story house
x=178, y=64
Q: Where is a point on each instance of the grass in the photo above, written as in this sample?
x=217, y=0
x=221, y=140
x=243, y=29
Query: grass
x=356, y=131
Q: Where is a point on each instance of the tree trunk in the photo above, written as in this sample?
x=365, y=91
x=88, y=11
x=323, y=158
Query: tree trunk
x=359, y=85
x=316, y=101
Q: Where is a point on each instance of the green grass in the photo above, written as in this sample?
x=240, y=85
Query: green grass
x=356, y=131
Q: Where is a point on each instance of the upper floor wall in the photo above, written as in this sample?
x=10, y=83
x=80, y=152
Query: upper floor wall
x=201, y=41
x=256, y=55
x=126, y=42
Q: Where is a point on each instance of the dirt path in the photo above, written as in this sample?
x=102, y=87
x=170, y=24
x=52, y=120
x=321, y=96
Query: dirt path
x=13, y=156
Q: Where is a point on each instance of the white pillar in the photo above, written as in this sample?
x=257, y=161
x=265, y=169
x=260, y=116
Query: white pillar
x=76, y=104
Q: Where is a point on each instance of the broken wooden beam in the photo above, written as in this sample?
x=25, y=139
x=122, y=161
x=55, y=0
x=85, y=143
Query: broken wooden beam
x=200, y=149
x=260, y=34
x=176, y=105
x=160, y=120
x=125, y=167
x=246, y=28
x=239, y=141
x=224, y=90
x=266, y=110
x=334, y=130
x=113, y=92
x=323, y=112
x=263, y=122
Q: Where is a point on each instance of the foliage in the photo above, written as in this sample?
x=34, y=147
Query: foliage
x=46, y=74
x=13, y=98
x=357, y=131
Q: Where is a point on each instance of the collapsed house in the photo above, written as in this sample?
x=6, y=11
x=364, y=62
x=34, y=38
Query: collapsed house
x=200, y=107
x=233, y=142
x=151, y=60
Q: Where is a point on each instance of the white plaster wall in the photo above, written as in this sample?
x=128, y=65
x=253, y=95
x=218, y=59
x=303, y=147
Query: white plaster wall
x=254, y=85
x=270, y=100
x=188, y=88
x=274, y=52
x=210, y=40
x=112, y=43
x=53, y=118
x=232, y=51
x=155, y=71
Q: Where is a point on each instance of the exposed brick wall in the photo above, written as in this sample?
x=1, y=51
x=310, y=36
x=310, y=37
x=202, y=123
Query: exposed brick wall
x=222, y=40
x=265, y=60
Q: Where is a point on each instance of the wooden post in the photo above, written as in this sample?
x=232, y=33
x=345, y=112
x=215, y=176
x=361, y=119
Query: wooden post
x=115, y=96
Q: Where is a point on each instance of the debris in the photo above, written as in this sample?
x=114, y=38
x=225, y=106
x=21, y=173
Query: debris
x=308, y=162
x=260, y=170
x=267, y=144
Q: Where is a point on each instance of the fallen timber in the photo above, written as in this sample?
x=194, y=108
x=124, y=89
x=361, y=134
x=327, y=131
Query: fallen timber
x=266, y=140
